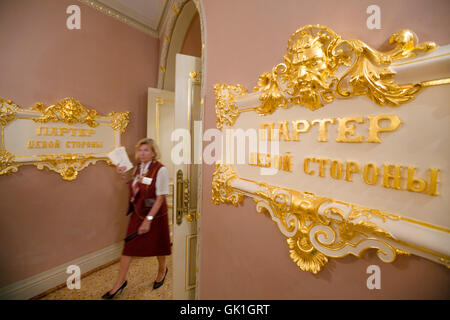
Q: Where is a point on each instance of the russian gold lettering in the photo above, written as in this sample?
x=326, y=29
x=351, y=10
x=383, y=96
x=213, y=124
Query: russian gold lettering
x=336, y=169
x=415, y=184
x=268, y=161
x=344, y=130
x=322, y=163
x=53, y=132
x=296, y=130
x=306, y=166
x=323, y=128
x=392, y=180
x=433, y=182
x=277, y=161
x=253, y=159
x=265, y=134
x=63, y=131
x=351, y=168
x=375, y=129
x=370, y=174
x=38, y=131
x=283, y=131
x=287, y=163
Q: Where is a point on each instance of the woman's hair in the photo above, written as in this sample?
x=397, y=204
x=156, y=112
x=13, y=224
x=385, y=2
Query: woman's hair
x=153, y=146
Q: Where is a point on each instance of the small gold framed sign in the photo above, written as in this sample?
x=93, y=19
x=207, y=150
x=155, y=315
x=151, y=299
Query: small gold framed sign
x=65, y=137
x=345, y=150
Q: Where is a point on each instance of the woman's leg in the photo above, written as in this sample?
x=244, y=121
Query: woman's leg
x=161, y=268
x=123, y=270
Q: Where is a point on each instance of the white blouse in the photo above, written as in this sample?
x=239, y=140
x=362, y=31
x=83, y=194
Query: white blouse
x=162, y=182
x=162, y=179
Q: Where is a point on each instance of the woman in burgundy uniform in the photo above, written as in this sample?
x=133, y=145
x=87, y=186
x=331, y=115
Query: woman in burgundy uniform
x=148, y=189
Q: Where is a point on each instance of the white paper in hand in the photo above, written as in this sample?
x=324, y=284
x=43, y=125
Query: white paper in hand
x=120, y=158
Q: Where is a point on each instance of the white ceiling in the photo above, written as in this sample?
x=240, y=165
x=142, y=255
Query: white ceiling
x=147, y=12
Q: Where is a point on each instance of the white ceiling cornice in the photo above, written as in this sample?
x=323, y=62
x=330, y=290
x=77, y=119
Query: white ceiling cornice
x=150, y=20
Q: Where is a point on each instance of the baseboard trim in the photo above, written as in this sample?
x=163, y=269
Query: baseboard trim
x=41, y=284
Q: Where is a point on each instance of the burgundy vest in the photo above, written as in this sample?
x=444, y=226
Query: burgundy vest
x=147, y=193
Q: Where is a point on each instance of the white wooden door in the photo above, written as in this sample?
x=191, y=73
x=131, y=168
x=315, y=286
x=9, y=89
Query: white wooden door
x=187, y=177
x=160, y=124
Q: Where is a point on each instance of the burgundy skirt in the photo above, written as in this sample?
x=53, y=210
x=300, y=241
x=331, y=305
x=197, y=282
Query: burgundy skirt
x=156, y=242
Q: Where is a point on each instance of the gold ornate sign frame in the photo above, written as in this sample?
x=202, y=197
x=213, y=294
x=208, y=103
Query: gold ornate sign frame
x=69, y=112
x=320, y=67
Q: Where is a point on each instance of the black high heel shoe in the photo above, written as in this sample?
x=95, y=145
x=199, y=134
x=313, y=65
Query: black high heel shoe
x=112, y=295
x=156, y=285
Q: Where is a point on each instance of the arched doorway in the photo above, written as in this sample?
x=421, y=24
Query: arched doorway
x=181, y=67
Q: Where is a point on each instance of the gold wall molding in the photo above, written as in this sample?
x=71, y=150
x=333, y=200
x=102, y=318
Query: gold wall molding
x=64, y=137
x=320, y=67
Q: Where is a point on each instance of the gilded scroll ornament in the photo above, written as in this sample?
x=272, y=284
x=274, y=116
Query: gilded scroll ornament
x=226, y=110
x=119, y=120
x=67, y=110
x=66, y=165
x=320, y=67
x=8, y=110
x=316, y=227
x=222, y=190
x=7, y=162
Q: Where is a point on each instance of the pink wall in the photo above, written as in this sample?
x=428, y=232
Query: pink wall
x=108, y=66
x=244, y=255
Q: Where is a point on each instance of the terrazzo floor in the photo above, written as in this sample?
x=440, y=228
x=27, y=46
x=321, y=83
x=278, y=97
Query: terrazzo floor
x=140, y=278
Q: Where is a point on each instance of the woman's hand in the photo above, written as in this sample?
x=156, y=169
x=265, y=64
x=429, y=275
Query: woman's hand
x=121, y=171
x=144, y=227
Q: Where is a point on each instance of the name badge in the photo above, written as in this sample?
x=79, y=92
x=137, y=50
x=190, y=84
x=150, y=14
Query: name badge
x=146, y=180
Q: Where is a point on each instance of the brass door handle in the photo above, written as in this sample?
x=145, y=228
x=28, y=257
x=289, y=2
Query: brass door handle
x=180, y=194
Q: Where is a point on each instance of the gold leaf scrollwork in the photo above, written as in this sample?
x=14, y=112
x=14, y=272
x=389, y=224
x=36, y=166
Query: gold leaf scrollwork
x=7, y=164
x=119, y=120
x=67, y=165
x=338, y=230
x=226, y=110
x=222, y=192
x=67, y=110
x=8, y=110
x=294, y=212
x=320, y=67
